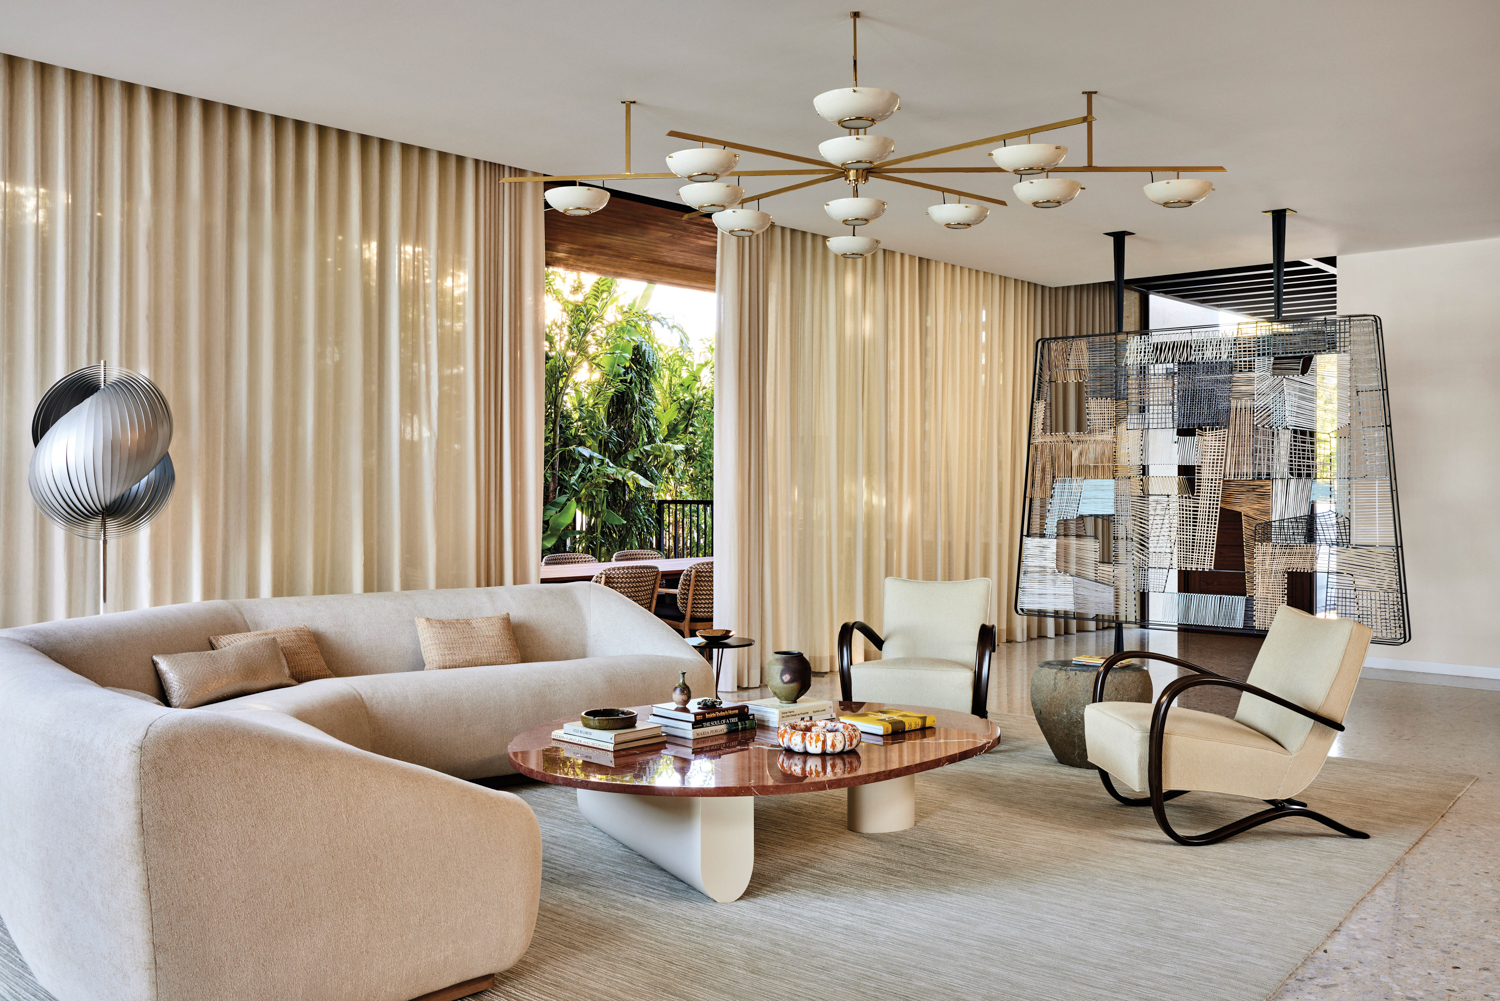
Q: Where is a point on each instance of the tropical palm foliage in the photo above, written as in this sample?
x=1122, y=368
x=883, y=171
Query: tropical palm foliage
x=629, y=418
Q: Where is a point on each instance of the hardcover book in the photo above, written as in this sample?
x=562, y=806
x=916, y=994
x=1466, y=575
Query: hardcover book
x=573, y=738
x=890, y=721
x=698, y=713
x=639, y=732
x=677, y=728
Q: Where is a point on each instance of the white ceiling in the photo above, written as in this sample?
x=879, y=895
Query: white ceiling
x=1394, y=100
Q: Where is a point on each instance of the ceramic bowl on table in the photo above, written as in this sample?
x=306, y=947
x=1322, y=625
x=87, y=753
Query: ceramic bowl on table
x=608, y=719
x=714, y=635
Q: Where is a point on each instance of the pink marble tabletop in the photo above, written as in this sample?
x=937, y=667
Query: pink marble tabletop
x=750, y=764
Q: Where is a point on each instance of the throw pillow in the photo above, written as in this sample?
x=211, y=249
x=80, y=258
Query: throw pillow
x=298, y=646
x=468, y=642
x=196, y=679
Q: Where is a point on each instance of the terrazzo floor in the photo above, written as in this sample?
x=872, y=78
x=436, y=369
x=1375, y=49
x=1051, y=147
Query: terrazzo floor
x=1431, y=927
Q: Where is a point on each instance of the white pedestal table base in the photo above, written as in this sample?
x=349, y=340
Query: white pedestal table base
x=708, y=842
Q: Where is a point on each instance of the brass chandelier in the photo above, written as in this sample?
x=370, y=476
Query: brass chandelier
x=858, y=157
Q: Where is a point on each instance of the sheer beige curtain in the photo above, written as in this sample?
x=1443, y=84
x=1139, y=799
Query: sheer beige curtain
x=308, y=300
x=891, y=435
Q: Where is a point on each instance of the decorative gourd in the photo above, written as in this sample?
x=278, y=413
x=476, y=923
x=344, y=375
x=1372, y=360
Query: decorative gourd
x=822, y=736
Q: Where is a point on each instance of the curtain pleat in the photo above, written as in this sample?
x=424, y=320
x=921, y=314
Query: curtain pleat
x=741, y=593
x=348, y=416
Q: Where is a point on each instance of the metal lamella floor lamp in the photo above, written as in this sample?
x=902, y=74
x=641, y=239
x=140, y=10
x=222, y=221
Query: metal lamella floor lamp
x=101, y=468
x=1203, y=477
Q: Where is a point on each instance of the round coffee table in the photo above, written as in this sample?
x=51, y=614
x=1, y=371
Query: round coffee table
x=692, y=810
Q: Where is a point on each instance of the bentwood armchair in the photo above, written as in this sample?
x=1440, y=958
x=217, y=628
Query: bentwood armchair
x=1290, y=708
x=936, y=650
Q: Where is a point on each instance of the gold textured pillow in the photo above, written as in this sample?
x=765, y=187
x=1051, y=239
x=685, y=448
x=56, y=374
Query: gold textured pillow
x=468, y=642
x=298, y=646
x=196, y=679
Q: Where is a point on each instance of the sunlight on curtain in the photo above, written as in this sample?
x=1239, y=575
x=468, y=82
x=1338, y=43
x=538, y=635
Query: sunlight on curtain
x=304, y=297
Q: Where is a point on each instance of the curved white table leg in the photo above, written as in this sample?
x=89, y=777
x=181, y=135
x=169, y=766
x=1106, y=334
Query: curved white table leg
x=708, y=842
x=883, y=807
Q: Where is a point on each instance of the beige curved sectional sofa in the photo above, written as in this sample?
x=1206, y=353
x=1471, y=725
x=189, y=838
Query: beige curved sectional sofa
x=317, y=842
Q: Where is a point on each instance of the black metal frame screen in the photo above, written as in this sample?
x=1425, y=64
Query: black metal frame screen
x=1205, y=476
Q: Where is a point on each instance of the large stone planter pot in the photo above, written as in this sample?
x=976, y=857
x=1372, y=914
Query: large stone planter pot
x=1059, y=691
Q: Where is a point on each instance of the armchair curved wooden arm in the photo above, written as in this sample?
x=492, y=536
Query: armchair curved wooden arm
x=846, y=653
x=1159, y=796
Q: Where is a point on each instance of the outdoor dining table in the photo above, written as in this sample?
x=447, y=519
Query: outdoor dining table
x=561, y=573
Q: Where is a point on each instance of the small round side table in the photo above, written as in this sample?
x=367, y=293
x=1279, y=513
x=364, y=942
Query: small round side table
x=1059, y=691
x=717, y=648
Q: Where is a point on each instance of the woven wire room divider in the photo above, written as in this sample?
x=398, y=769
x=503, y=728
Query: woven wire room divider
x=1206, y=476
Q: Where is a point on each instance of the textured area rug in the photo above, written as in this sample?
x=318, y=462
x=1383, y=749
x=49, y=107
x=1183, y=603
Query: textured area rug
x=1021, y=880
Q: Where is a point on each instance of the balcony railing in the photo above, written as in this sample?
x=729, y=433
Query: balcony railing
x=684, y=528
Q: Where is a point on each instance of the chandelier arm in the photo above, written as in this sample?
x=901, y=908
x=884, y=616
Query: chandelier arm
x=748, y=149
x=941, y=170
x=985, y=141
x=779, y=191
x=934, y=187
x=535, y=178
x=1129, y=170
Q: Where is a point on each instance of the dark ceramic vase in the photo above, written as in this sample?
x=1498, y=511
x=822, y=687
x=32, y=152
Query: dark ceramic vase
x=791, y=675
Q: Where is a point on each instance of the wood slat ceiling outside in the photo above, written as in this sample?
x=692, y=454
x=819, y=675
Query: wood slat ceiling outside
x=1307, y=290
x=642, y=239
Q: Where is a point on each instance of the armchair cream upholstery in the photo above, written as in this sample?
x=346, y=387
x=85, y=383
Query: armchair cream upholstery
x=936, y=651
x=1290, y=708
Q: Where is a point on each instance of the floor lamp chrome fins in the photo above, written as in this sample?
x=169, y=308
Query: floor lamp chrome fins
x=101, y=468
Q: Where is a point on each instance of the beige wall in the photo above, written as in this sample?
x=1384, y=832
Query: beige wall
x=1441, y=311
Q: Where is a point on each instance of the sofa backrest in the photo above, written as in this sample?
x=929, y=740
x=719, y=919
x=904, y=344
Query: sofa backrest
x=357, y=633
x=115, y=650
x=377, y=633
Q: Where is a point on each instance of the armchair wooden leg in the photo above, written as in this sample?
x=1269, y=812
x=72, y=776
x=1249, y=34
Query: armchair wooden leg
x=463, y=990
x=1279, y=809
x=1143, y=801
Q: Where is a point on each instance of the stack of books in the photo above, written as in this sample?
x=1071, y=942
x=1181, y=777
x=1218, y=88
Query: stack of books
x=610, y=740
x=1088, y=660
x=774, y=712
x=697, y=722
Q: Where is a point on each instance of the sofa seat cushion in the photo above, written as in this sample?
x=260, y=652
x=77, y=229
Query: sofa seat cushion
x=1201, y=750
x=914, y=681
x=462, y=721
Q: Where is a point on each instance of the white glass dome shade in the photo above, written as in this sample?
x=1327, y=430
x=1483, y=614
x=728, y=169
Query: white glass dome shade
x=1178, y=193
x=702, y=164
x=576, y=199
x=856, y=151
x=1029, y=158
x=857, y=107
x=1047, y=192
x=853, y=247
x=854, y=211
x=711, y=196
x=957, y=215
x=742, y=222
